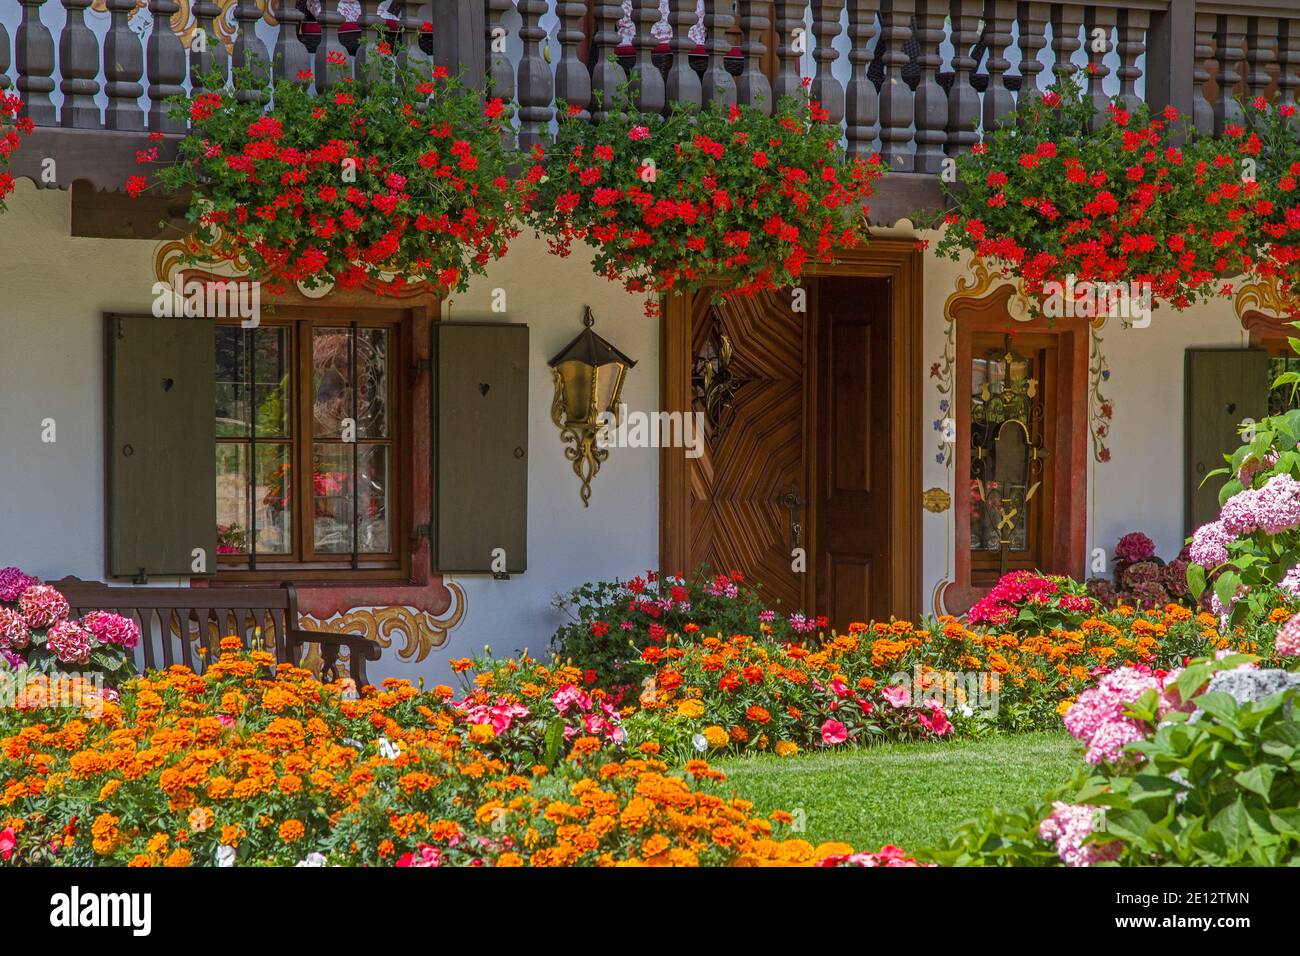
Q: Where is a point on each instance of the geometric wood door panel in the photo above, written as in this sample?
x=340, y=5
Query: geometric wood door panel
x=739, y=510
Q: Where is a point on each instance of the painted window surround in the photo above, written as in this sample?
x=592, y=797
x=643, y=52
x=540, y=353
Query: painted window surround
x=1068, y=459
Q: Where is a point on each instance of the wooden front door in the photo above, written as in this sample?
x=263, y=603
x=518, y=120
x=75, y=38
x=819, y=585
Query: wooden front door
x=756, y=449
x=816, y=440
x=852, y=490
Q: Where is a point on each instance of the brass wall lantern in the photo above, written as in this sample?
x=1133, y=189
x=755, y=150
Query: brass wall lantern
x=589, y=375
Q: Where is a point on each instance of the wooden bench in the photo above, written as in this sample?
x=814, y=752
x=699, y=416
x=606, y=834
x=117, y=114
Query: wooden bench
x=176, y=622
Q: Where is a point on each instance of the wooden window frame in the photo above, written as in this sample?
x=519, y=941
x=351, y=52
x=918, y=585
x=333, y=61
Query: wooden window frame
x=302, y=564
x=986, y=565
x=1067, y=542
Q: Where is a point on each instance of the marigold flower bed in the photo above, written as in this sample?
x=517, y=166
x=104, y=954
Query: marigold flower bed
x=251, y=763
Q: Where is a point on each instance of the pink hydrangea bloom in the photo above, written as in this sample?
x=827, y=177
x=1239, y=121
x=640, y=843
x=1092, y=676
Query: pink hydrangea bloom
x=13, y=630
x=1209, y=547
x=41, y=605
x=1291, y=582
x=1097, y=717
x=1271, y=509
x=70, y=642
x=110, y=628
x=1135, y=546
x=1288, y=638
x=13, y=583
x=1067, y=827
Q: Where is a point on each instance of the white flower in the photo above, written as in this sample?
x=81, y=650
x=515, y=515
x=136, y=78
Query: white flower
x=389, y=750
x=225, y=856
x=965, y=710
x=701, y=744
x=313, y=859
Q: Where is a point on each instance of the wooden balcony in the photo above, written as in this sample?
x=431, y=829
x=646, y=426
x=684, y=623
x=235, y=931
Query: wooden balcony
x=916, y=80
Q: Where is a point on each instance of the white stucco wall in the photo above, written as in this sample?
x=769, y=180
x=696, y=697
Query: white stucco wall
x=53, y=292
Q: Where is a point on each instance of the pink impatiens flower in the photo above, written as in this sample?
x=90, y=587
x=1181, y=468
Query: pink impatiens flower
x=834, y=732
x=1288, y=638
x=896, y=695
x=8, y=843
x=936, y=721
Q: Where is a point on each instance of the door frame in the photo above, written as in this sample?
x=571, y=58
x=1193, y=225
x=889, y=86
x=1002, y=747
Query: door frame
x=898, y=260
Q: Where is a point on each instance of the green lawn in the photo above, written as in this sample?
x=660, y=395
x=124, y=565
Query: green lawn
x=906, y=794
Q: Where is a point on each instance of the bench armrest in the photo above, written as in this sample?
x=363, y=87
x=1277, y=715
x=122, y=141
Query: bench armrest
x=360, y=650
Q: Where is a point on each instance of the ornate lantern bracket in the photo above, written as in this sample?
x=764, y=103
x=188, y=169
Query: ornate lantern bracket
x=589, y=374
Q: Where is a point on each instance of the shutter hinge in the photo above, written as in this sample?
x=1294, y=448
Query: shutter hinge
x=421, y=531
x=424, y=365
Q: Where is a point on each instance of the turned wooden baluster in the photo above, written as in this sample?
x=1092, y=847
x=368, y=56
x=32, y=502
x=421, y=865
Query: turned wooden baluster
x=164, y=60
x=931, y=101
x=207, y=53
x=753, y=87
x=1132, y=43
x=650, y=96
x=963, y=98
x=1288, y=54
x=501, y=72
x=535, y=84
x=1205, y=65
x=123, y=69
x=1230, y=46
x=998, y=101
x=1261, y=54
x=369, y=22
x=290, y=58
x=249, y=51
x=896, y=108
x=331, y=74
x=719, y=86
x=1032, y=18
x=789, y=52
x=862, y=126
x=1098, y=23
x=4, y=59
x=608, y=76
x=826, y=89
x=78, y=68
x=683, y=84
x=34, y=57
x=1067, y=20
x=407, y=33
x=572, y=81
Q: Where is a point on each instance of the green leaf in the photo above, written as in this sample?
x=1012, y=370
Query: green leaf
x=1196, y=580
x=554, y=740
x=1258, y=779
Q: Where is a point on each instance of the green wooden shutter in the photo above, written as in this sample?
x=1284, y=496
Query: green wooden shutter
x=161, y=447
x=1222, y=388
x=480, y=447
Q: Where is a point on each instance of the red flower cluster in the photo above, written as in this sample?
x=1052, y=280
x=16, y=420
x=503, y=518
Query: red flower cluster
x=393, y=176
x=1049, y=198
x=1268, y=145
x=11, y=125
x=703, y=196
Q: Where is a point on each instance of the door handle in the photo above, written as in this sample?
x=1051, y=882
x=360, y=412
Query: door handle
x=795, y=504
